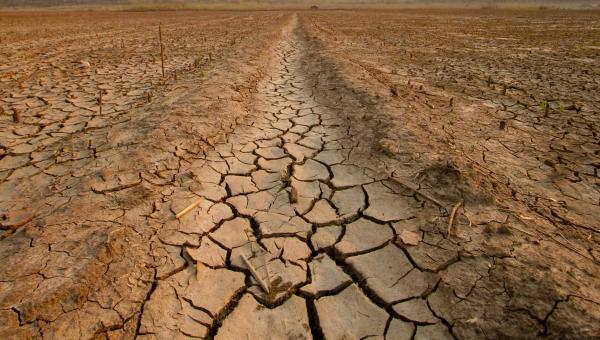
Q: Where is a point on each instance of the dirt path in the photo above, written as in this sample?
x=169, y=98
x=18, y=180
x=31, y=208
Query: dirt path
x=320, y=232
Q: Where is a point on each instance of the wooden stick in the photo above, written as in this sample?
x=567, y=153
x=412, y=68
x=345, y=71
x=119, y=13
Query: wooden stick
x=16, y=116
x=162, y=56
x=262, y=283
x=268, y=274
x=100, y=102
x=452, y=215
x=28, y=218
x=188, y=209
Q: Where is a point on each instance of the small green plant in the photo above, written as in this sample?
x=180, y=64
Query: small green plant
x=543, y=105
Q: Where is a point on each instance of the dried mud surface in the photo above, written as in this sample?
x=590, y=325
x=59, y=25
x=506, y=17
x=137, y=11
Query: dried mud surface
x=328, y=150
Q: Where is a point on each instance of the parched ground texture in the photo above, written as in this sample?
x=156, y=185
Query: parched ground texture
x=327, y=153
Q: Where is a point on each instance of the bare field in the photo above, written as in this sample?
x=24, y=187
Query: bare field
x=506, y=101
x=400, y=174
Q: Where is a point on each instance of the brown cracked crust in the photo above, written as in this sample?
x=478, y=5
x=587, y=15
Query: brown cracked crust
x=309, y=167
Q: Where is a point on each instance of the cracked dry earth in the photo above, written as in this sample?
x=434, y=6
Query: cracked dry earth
x=319, y=230
x=295, y=193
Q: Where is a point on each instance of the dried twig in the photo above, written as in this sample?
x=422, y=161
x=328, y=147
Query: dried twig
x=453, y=215
x=188, y=209
x=467, y=216
x=255, y=274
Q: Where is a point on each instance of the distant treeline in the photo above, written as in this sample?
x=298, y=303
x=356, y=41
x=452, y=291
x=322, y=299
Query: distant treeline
x=491, y=3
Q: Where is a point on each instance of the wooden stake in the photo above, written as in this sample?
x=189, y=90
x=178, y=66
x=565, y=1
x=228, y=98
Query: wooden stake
x=188, y=209
x=16, y=116
x=162, y=55
x=100, y=102
x=262, y=283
